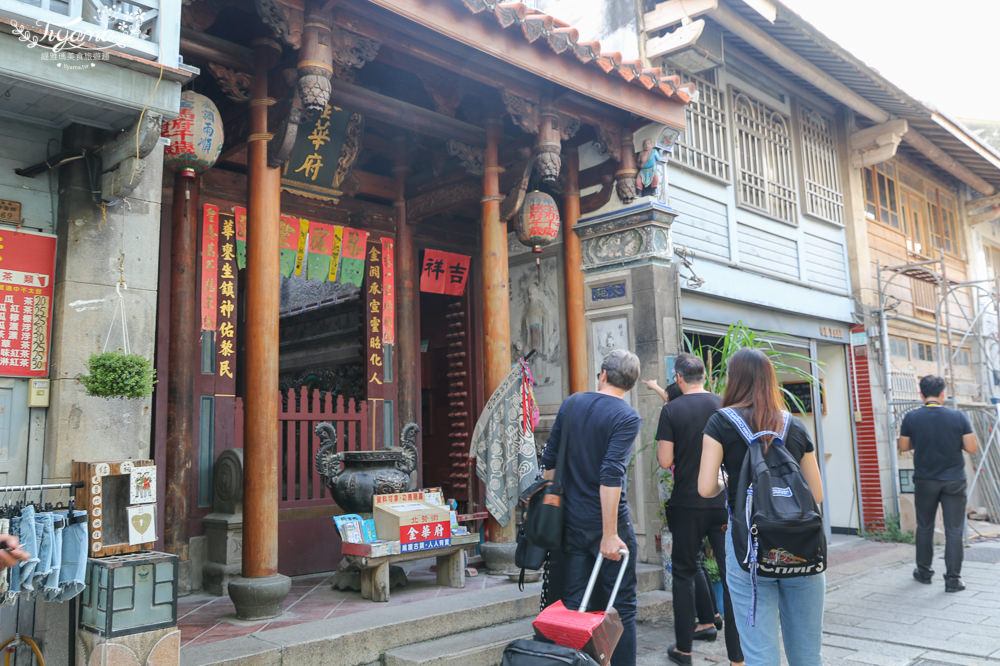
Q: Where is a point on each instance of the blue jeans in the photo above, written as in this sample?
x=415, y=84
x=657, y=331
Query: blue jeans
x=73, y=572
x=580, y=550
x=46, y=537
x=28, y=535
x=50, y=591
x=796, y=602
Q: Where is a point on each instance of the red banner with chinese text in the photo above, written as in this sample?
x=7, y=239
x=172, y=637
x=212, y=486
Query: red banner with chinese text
x=388, y=293
x=27, y=268
x=444, y=272
x=209, y=265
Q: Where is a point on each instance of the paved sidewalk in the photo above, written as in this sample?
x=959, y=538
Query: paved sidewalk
x=877, y=614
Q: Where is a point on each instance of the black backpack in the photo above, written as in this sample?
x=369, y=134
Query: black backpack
x=778, y=532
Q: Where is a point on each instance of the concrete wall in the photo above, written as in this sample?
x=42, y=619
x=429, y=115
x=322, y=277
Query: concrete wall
x=96, y=248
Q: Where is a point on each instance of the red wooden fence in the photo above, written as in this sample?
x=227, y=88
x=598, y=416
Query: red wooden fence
x=298, y=443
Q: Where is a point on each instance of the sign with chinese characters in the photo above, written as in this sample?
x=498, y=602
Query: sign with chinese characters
x=323, y=155
x=444, y=272
x=424, y=537
x=209, y=265
x=373, y=313
x=27, y=267
x=320, y=248
x=225, y=339
x=291, y=241
x=352, y=256
x=240, y=214
x=388, y=293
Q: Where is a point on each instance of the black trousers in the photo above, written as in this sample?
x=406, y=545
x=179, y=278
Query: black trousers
x=689, y=528
x=950, y=495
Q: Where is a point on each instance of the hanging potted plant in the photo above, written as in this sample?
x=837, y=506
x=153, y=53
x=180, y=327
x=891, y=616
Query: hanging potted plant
x=119, y=375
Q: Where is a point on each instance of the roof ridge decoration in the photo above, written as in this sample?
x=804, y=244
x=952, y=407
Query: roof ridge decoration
x=562, y=38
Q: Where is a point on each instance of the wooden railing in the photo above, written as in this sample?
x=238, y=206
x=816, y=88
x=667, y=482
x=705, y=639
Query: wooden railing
x=299, y=412
x=149, y=29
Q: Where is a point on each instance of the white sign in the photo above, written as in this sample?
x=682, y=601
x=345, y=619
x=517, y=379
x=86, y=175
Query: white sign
x=142, y=485
x=141, y=524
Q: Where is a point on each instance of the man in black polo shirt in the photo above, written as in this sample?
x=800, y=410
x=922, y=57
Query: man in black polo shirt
x=938, y=436
x=602, y=428
x=690, y=516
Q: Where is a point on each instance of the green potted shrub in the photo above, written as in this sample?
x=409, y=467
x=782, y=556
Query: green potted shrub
x=119, y=375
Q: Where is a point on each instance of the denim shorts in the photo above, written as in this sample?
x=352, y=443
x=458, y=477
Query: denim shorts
x=73, y=573
x=26, y=532
x=50, y=585
x=44, y=532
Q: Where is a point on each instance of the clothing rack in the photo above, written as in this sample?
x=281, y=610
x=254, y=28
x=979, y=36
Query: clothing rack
x=40, y=486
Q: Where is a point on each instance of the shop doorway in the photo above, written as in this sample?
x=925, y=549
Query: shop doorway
x=447, y=387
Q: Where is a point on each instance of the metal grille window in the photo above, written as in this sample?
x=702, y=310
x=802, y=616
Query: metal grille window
x=763, y=158
x=703, y=146
x=823, y=195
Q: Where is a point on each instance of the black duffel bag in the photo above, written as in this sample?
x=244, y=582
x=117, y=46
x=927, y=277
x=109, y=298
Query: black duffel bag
x=524, y=652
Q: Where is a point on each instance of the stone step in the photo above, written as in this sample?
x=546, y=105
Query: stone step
x=484, y=647
x=481, y=647
x=648, y=577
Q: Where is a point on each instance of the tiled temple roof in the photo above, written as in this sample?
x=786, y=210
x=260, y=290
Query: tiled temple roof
x=563, y=39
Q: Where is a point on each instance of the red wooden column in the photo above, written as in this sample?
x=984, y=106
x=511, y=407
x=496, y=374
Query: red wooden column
x=180, y=382
x=258, y=594
x=496, y=289
x=576, y=330
x=407, y=299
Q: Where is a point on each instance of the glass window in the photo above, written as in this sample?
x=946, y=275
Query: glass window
x=881, y=197
x=922, y=351
x=898, y=347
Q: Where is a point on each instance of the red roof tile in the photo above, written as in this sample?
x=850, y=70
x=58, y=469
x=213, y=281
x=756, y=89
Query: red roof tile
x=562, y=38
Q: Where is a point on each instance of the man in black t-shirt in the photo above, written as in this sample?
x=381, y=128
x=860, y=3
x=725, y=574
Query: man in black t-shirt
x=691, y=517
x=938, y=436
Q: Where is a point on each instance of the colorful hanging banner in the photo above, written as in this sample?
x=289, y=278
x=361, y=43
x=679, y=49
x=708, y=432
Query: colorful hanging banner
x=388, y=293
x=444, y=272
x=319, y=250
x=352, y=256
x=209, y=265
x=27, y=267
x=240, y=214
x=225, y=341
x=338, y=236
x=300, y=253
x=373, y=313
x=288, y=239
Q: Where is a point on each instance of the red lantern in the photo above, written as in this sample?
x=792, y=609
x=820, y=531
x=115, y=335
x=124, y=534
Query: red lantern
x=538, y=222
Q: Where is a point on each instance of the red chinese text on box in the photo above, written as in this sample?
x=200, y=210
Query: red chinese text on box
x=27, y=266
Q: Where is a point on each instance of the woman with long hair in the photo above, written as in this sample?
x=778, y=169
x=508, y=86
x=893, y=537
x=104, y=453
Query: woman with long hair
x=752, y=390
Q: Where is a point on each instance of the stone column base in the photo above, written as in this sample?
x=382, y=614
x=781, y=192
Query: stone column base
x=498, y=556
x=259, y=598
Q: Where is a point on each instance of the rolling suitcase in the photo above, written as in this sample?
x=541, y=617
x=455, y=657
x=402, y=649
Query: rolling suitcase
x=580, y=638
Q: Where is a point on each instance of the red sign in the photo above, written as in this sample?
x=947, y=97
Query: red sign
x=27, y=267
x=444, y=272
x=424, y=536
x=388, y=293
x=225, y=349
x=209, y=266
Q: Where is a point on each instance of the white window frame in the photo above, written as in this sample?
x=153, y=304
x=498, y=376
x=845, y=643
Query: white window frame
x=704, y=145
x=764, y=164
x=822, y=195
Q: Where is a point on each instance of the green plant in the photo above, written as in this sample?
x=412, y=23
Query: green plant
x=890, y=532
x=737, y=337
x=118, y=375
x=712, y=567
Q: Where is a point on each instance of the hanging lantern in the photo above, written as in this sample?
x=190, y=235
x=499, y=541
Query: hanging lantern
x=195, y=135
x=538, y=222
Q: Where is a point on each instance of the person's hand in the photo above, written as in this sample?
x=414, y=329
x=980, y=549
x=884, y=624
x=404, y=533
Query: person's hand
x=652, y=385
x=610, y=545
x=11, y=552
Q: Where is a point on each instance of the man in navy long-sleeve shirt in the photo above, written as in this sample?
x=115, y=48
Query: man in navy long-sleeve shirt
x=602, y=428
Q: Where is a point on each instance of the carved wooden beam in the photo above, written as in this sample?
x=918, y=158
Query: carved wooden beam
x=285, y=22
x=315, y=66
x=876, y=144
x=982, y=202
x=234, y=84
x=471, y=157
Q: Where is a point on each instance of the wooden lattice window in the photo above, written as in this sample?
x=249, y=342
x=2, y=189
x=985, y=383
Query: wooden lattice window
x=763, y=147
x=942, y=220
x=703, y=146
x=823, y=195
x=924, y=295
x=881, y=193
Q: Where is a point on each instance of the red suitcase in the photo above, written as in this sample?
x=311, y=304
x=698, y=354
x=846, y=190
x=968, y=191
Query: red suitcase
x=595, y=633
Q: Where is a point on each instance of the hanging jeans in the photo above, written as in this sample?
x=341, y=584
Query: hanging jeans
x=27, y=533
x=796, y=602
x=50, y=585
x=73, y=573
x=43, y=529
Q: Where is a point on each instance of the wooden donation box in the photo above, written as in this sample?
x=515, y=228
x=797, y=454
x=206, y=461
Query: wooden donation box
x=126, y=594
x=120, y=498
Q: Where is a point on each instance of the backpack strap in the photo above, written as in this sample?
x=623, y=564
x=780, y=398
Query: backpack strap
x=750, y=436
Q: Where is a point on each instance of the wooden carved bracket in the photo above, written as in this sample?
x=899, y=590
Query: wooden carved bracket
x=876, y=144
x=524, y=112
x=351, y=49
x=619, y=144
x=443, y=91
x=471, y=157
x=284, y=21
x=234, y=85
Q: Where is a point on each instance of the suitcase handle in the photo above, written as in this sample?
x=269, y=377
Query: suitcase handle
x=593, y=580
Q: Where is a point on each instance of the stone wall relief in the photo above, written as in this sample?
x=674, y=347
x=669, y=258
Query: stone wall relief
x=535, y=321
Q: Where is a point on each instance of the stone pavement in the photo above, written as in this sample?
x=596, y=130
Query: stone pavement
x=877, y=614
